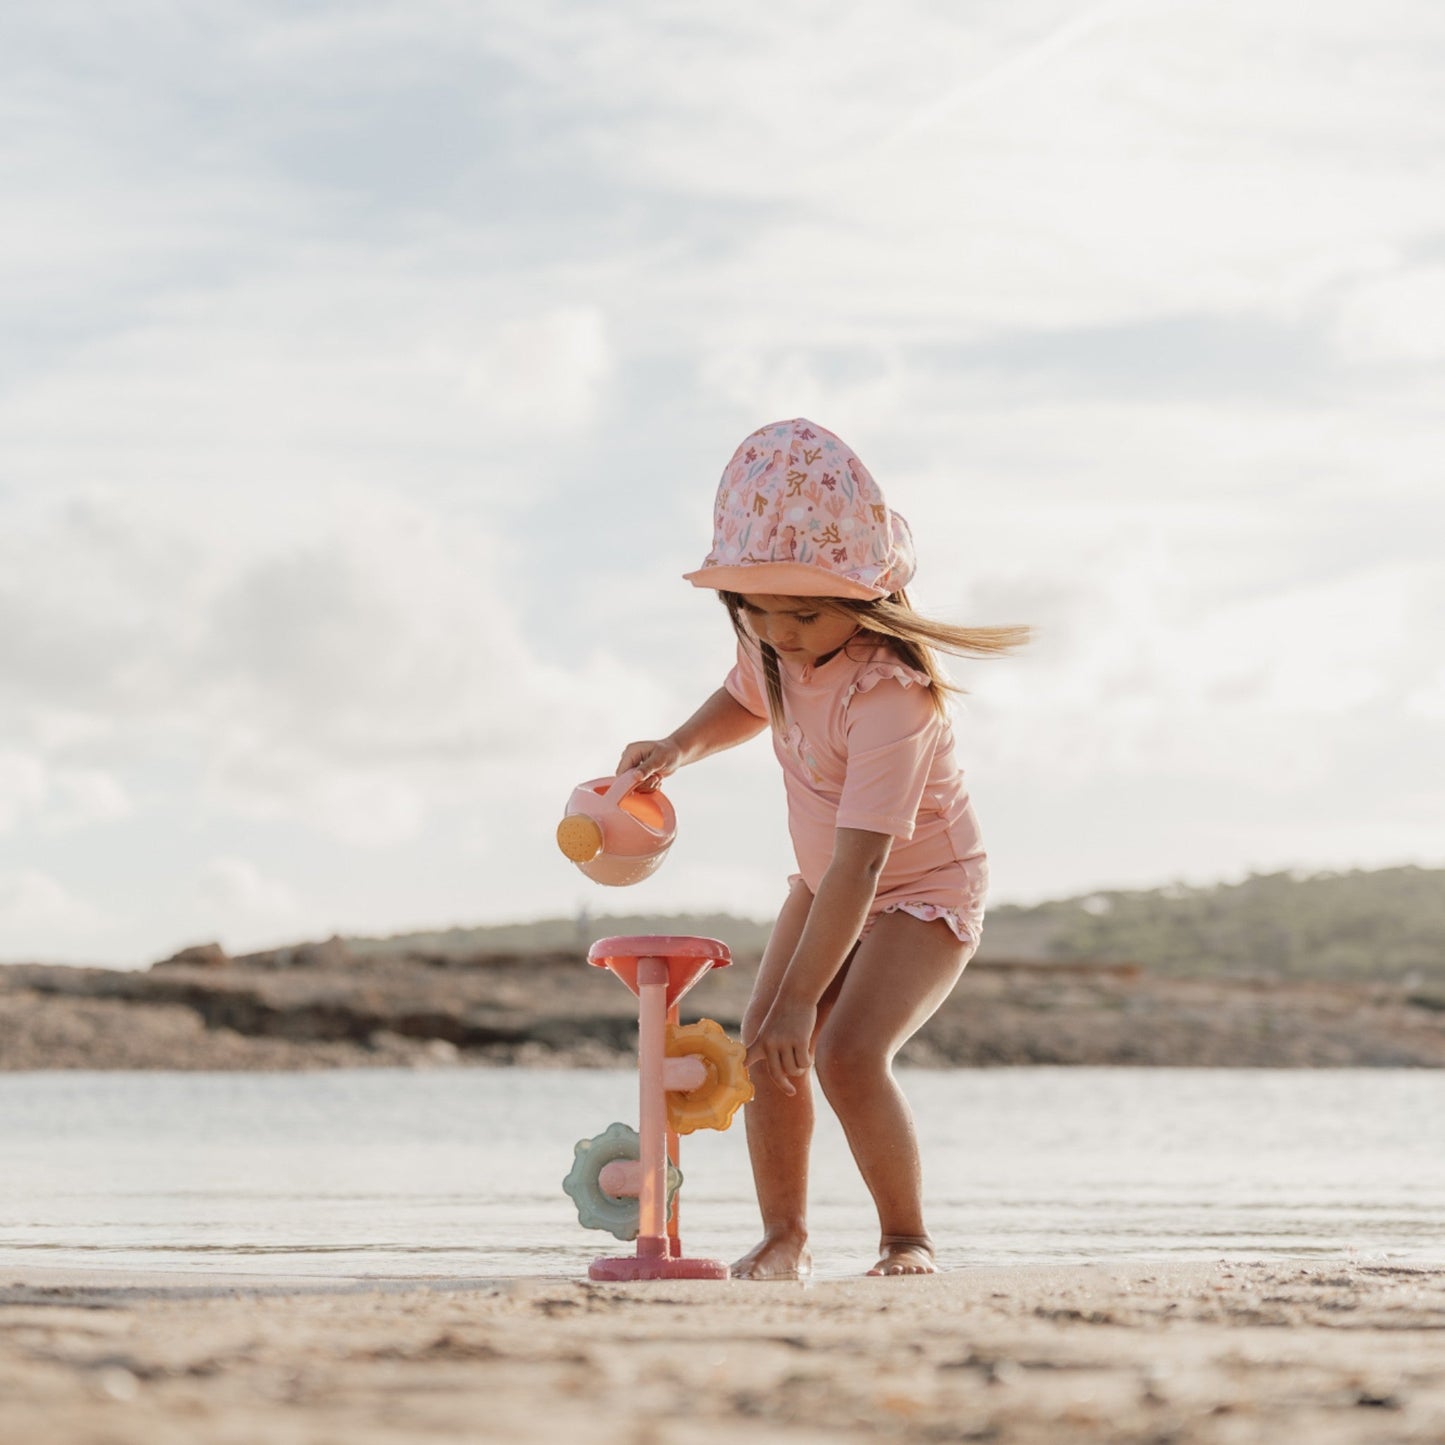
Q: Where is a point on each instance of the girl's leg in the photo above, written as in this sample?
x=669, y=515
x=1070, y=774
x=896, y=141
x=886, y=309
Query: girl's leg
x=901, y=972
x=780, y=1128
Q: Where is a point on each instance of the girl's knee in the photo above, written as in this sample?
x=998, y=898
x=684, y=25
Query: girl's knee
x=848, y=1065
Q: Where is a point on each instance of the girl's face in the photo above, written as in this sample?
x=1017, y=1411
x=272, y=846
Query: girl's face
x=803, y=628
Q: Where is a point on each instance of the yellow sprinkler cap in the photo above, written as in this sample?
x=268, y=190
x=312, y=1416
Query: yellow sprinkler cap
x=579, y=837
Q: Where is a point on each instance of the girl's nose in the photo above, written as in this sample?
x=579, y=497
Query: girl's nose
x=776, y=633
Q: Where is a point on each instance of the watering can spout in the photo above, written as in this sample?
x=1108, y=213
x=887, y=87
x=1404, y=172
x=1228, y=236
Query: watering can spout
x=579, y=837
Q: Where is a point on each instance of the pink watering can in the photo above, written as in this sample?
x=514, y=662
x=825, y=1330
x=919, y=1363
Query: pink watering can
x=615, y=834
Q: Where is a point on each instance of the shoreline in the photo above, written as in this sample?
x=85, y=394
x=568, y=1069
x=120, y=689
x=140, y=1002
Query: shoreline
x=148, y=1281
x=1135, y=1352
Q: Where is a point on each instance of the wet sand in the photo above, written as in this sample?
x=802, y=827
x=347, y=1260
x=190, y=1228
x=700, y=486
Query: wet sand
x=1226, y=1353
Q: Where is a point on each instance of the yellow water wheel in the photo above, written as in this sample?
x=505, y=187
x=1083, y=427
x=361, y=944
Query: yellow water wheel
x=725, y=1090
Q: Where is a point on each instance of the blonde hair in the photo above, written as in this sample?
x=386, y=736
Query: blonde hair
x=911, y=636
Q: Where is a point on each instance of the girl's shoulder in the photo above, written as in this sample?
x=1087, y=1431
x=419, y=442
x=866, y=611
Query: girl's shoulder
x=889, y=702
x=880, y=664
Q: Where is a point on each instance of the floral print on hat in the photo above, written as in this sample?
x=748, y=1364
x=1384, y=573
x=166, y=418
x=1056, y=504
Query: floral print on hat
x=799, y=515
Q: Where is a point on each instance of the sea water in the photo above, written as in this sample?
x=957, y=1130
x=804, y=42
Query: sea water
x=457, y=1173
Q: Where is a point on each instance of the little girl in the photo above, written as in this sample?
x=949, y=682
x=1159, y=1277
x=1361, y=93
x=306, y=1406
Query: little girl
x=887, y=905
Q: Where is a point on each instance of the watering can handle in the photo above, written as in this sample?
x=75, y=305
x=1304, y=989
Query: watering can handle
x=622, y=785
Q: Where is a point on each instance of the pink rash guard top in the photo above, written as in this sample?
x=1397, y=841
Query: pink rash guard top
x=865, y=748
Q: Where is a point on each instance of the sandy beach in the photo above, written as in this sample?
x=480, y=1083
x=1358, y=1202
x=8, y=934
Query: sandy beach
x=1316, y=1352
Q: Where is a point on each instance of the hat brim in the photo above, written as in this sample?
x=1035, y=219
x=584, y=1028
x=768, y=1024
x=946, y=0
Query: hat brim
x=783, y=579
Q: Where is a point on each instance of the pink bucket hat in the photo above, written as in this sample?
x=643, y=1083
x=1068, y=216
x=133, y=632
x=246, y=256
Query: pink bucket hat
x=799, y=515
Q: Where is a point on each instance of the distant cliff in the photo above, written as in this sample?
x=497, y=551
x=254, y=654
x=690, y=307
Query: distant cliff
x=324, y=1005
x=1384, y=924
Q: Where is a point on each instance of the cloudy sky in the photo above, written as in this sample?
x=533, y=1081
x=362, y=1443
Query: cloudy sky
x=366, y=371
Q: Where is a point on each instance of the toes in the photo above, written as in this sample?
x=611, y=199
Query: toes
x=901, y=1264
x=764, y=1266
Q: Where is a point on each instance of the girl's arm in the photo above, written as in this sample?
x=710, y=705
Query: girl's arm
x=835, y=919
x=721, y=722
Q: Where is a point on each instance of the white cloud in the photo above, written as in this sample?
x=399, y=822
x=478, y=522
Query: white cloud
x=82, y=796
x=40, y=918
x=30, y=896
x=336, y=369
x=1166, y=160
x=22, y=785
x=1427, y=700
x=240, y=891
x=542, y=370
x=57, y=798
x=1394, y=318
x=352, y=680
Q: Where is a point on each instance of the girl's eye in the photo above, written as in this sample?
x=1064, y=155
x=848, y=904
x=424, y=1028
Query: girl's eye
x=806, y=620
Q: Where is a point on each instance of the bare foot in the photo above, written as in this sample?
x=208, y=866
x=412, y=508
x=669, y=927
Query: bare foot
x=779, y=1256
x=905, y=1254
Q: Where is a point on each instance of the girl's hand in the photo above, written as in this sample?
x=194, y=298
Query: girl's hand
x=654, y=759
x=785, y=1043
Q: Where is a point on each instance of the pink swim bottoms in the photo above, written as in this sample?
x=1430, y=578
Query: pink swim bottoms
x=965, y=929
x=967, y=925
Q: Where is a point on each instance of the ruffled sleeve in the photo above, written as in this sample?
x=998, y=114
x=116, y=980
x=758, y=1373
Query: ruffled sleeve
x=892, y=732
x=884, y=669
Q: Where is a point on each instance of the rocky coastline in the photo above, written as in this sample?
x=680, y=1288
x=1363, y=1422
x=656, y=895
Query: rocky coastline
x=335, y=1005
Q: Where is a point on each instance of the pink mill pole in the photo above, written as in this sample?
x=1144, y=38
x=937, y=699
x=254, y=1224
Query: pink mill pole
x=652, y=977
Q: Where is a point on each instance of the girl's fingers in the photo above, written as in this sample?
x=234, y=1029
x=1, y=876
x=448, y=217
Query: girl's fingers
x=649, y=759
x=758, y=1054
x=784, y=1062
x=778, y=1070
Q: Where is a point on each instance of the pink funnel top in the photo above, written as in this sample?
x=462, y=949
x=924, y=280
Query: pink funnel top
x=687, y=958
